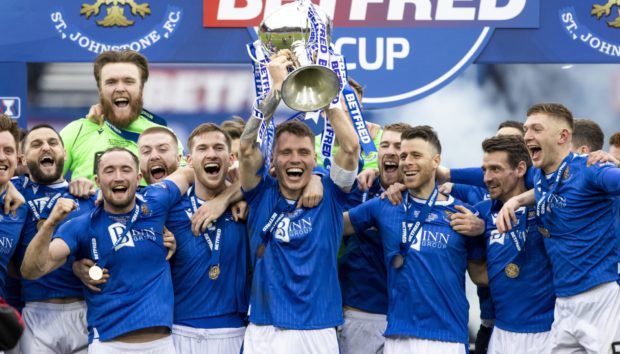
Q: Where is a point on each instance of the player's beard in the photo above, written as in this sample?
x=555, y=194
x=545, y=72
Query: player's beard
x=135, y=105
x=39, y=176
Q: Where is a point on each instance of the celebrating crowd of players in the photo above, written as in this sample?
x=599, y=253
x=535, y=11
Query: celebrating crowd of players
x=230, y=254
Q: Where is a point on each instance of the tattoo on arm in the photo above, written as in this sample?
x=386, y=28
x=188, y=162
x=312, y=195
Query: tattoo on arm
x=268, y=107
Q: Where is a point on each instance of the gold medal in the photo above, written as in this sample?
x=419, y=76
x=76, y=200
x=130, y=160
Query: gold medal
x=40, y=224
x=260, y=251
x=398, y=261
x=543, y=231
x=512, y=270
x=214, y=272
x=95, y=272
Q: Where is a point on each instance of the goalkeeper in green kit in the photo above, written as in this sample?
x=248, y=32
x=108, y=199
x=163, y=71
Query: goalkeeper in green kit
x=120, y=78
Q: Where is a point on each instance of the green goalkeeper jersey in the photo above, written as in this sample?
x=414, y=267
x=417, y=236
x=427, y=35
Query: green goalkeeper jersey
x=84, y=139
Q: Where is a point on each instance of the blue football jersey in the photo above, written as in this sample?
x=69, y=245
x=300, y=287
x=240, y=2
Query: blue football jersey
x=579, y=218
x=10, y=230
x=61, y=282
x=362, y=272
x=469, y=194
x=524, y=301
x=199, y=300
x=139, y=292
x=295, y=283
x=427, y=294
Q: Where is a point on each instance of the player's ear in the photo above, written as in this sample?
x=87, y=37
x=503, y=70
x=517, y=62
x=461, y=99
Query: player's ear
x=565, y=136
x=436, y=161
x=97, y=182
x=521, y=169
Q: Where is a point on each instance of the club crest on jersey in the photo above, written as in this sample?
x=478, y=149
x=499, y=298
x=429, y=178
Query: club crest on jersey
x=145, y=210
x=566, y=173
x=116, y=231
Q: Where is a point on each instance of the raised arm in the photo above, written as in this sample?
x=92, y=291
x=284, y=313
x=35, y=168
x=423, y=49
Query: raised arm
x=43, y=256
x=183, y=177
x=348, y=153
x=250, y=157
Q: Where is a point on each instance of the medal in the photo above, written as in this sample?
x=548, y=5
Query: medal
x=260, y=251
x=397, y=261
x=512, y=270
x=95, y=272
x=40, y=224
x=214, y=272
x=543, y=231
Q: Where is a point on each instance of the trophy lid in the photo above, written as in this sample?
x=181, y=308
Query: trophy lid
x=288, y=24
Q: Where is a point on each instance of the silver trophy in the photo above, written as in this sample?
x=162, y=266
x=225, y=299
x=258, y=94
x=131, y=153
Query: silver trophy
x=309, y=87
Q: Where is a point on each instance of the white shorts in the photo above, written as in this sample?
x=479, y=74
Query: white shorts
x=362, y=333
x=158, y=346
x=506, y=342
x=413, y=345
x=272, y=340
x=588, y=322
x=54, y=328
x=188, y=340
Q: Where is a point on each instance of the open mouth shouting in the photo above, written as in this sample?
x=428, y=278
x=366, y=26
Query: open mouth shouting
x=158, y=172
x=294, y=173
x=535, y=152
x=119, y=190
x=212, y=168
x=121, y=102
x=47, y=161
x=4, y=167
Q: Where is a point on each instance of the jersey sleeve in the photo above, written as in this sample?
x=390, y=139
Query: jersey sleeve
x=335, y=191
x=165, y=193
x=363, y=216
x=70, y=233
x=472, y=176
x=605, y=176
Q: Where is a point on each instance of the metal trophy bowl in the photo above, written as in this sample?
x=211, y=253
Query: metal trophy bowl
x=309, y=87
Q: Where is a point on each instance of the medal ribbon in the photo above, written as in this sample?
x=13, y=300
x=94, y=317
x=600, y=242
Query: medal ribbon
x=213, y=246
x=518, y=235
x=409, y=236
x=127, y=233
x=125, y=134
x=49, y=205
x=544, y=204
x=282, y=208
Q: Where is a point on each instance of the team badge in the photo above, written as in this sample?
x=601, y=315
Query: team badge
x=145, y=209
x=512, y=270
x=214, y=272
x=115, y=12
x=260, y=251
x=543, y=231
x=566, y=173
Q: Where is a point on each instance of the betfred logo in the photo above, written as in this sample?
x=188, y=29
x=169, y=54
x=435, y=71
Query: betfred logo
x=384, y=13
x=400, y=50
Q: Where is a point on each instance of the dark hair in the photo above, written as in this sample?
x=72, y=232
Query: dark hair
x=513, y=145
x=116, y=148
x=8, y=124
x=125, y=56
x=294, y=127
x=160, y=129
x=425, y=133
x=512, y=124
x=397, y=127
x=615, y=139
x=359, y=89
x=588, y=133
x=234, y=127
x=554, y=110
x=40, y=126
x=207, y=128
